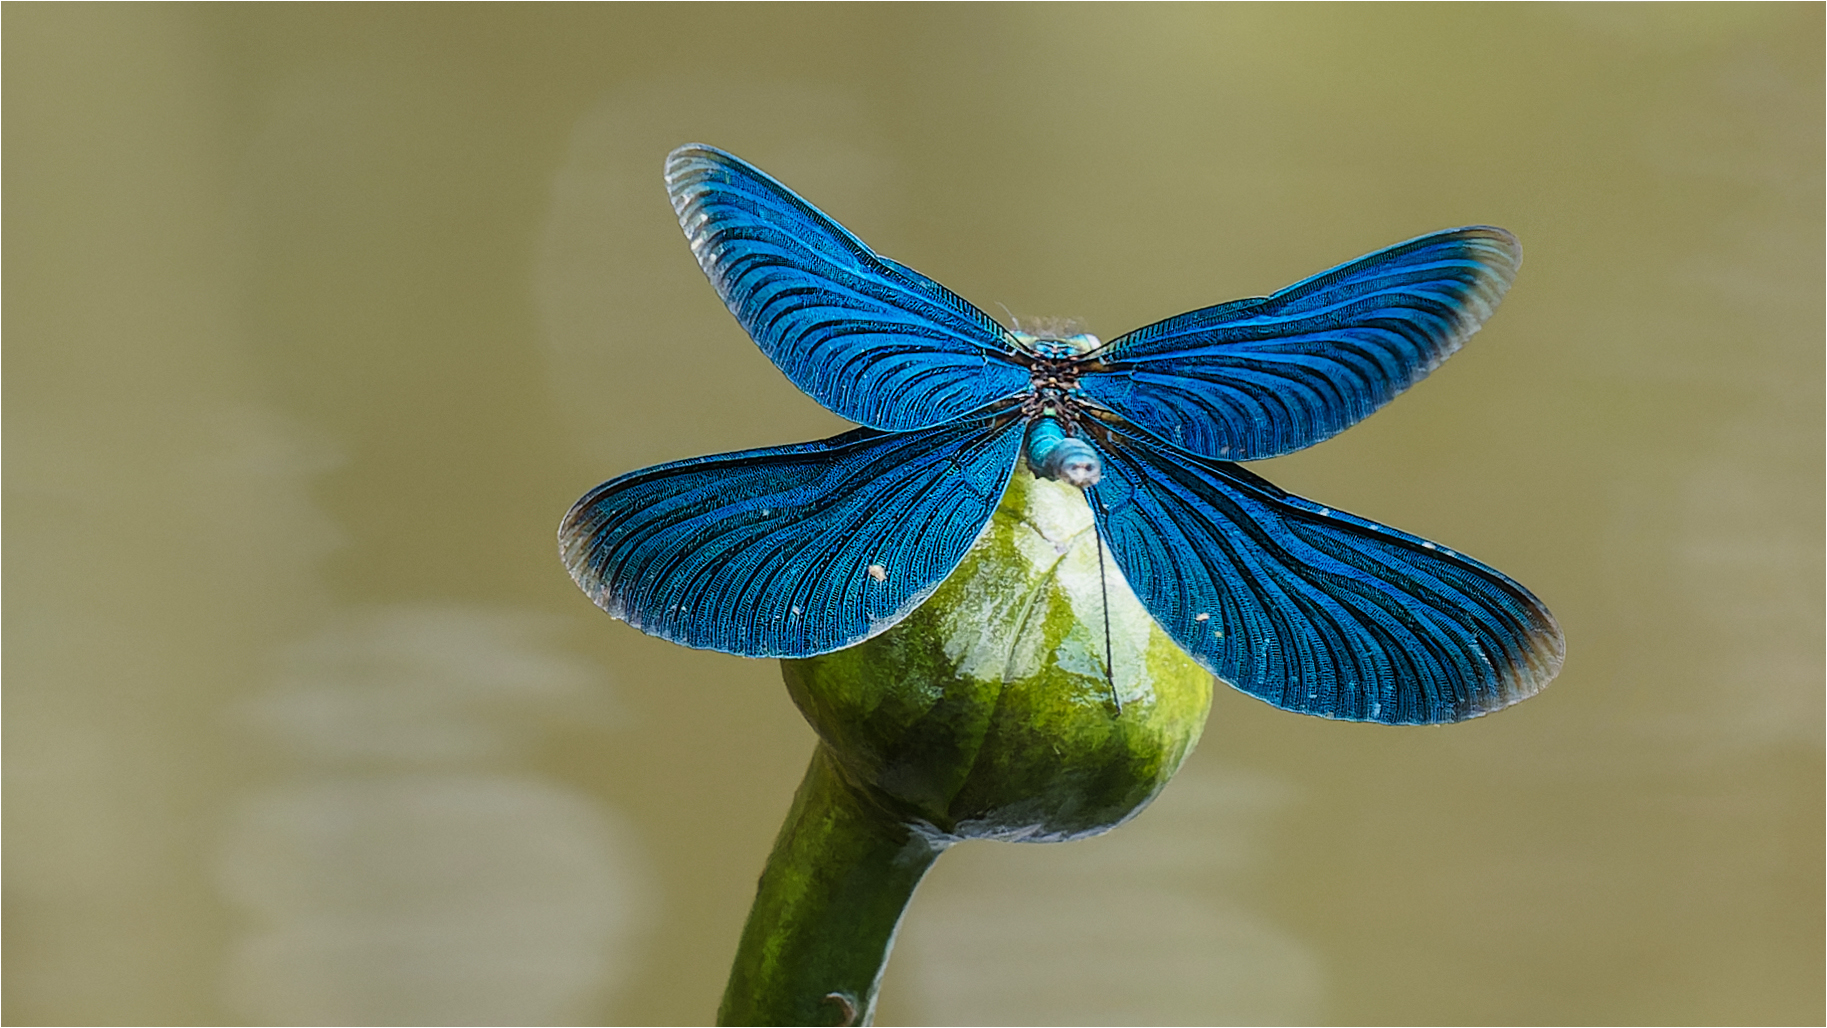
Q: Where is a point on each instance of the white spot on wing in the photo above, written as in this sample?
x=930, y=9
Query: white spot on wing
x=878, y=572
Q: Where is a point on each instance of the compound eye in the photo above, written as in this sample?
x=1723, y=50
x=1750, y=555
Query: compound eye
x=1083, y=472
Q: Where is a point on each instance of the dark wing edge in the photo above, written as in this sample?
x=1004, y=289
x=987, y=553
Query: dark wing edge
x=1259, y=378
x=1312, y=609
x=871, y=339
x=774, y=552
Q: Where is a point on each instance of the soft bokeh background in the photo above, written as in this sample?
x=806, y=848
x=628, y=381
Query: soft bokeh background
x=318, y=317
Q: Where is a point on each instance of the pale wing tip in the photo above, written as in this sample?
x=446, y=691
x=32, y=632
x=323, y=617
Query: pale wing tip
x=1546, y=653
x=696, y=153
x=1499, y=257
x=574, y=547
x=685, y=168
x=1508, y=255
x=1550, y=653
x=1497, y=234
x=690, y=165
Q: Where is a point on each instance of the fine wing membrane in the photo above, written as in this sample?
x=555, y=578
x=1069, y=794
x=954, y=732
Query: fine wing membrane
x=1311, y=609
x=1258, y=378
x=874, y=341
x=790, y=551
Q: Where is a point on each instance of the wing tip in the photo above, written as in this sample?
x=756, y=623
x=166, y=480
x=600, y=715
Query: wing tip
x=1543, y=659
x=696, y=153
x=1504, y=262
x=1531, y=670
x=1514, y=680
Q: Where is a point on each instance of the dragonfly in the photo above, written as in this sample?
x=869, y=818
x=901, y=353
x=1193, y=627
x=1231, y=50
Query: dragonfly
x=799, y=550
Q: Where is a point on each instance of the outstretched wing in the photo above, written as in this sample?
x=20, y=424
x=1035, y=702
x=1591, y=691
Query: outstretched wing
x=790, y=551
x=874, y=341
x=1257, y=378
x=1314, y=610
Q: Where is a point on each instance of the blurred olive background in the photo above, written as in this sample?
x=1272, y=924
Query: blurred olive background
x=318, y=317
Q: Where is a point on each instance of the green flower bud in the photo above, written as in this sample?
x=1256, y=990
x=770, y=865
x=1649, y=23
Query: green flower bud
x=992, y=711
x=989, y=712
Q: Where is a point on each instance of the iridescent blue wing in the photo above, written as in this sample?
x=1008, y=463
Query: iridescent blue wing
x=1314, y=610
x=790, y=551
x=874, y=341
x=1257, y=378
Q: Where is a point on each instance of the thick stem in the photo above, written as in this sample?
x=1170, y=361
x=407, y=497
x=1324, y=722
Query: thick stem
x=827, y=907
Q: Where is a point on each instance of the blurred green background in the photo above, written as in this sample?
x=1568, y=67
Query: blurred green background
x=317, y=318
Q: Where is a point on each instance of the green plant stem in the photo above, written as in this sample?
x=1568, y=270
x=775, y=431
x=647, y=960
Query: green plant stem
x=827, y=907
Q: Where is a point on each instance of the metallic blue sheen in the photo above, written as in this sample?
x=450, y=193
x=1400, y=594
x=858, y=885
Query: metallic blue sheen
x=1259, y=378
x=875, y=341
x=790, y=551
x=1313, y=609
